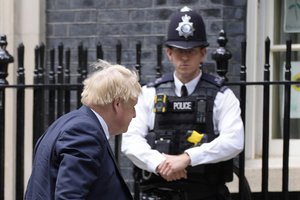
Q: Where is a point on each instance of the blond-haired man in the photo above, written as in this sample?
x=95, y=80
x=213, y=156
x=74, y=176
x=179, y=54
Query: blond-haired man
x=73, y=159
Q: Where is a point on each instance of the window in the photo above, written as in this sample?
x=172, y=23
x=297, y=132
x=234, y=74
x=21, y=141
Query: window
x=286, y=26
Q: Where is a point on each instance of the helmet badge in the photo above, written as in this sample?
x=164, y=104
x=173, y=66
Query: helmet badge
x=185, y=28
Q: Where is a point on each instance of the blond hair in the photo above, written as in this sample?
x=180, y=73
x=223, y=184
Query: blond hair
x=110, y=82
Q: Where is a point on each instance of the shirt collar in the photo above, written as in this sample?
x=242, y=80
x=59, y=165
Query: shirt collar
x=190, y=86
x=103, y=124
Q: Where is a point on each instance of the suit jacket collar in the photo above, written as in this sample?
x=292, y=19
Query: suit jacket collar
x=88, y=111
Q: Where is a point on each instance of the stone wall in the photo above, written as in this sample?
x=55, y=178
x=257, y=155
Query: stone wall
x=129, y=21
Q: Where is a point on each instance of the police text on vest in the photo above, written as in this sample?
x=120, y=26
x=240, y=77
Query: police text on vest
x=182, y=106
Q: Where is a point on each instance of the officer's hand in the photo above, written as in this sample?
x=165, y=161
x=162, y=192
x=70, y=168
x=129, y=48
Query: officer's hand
x=174, y=166
x=175, y=176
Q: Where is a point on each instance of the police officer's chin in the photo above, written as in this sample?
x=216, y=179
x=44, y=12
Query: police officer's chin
x=184, y=73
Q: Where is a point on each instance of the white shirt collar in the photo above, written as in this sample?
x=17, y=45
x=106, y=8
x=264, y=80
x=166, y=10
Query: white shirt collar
x=190, y=86
x=103, y=124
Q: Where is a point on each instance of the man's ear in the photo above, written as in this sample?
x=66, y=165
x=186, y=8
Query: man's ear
x=203, y=52
x=116, y=104
x=169, y=53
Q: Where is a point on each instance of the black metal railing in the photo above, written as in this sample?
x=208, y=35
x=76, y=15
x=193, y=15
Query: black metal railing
x=55, y=94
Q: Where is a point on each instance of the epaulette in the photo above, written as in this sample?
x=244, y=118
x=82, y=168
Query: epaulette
x=213, y=78
x=164, y=79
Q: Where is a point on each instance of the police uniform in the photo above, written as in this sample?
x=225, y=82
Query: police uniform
x=224, y=131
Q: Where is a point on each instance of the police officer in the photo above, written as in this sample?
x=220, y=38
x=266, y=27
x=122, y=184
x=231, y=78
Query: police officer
x=187, y=127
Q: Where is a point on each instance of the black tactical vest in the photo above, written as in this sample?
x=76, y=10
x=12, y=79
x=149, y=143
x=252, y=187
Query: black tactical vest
x=176, y=118
x=183, y=115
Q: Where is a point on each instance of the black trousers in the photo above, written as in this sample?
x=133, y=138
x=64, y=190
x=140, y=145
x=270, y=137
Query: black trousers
x=220, y=192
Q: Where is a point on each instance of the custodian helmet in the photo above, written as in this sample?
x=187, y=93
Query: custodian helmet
x=186, y=30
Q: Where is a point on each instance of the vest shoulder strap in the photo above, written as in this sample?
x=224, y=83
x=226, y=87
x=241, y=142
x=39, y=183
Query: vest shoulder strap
x=213, y=79
x=210, y=78
x=164, y=79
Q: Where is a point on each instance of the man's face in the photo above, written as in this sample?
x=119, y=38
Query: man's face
x=125, y=114
x=186, y=61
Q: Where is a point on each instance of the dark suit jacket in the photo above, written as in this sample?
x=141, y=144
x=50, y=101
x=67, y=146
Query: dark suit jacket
x=73, y=160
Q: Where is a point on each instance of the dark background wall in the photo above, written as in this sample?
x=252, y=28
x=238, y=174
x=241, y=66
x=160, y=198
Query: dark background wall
x=130, y=21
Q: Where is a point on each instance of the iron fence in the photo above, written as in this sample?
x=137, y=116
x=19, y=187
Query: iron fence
x=54, y=94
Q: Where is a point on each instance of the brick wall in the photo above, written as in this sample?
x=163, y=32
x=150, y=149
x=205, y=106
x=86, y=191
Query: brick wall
x=145, y=21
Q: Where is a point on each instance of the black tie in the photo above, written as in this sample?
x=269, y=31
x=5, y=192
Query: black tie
x=184, y=92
